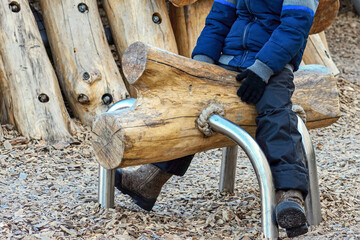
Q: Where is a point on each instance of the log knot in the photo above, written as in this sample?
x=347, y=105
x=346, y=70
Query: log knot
x=300, y=112
x=203, y=121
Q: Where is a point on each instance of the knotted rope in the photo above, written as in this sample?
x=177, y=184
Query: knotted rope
x=300, y=112
x=215, y=108
x=203, y=120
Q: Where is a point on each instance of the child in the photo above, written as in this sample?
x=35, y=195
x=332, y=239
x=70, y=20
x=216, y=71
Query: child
x=264, y=41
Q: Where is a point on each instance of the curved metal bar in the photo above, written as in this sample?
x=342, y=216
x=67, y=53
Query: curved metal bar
x=312, y=201
x=107, y=177
x=261, y=167
x=122, y=105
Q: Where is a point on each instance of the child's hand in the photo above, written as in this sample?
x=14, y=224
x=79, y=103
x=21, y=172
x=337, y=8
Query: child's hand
x=252, y=88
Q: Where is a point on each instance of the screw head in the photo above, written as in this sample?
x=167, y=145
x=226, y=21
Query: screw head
x=107, y=99
x=43, y=98
x=156, y=18
x=83, y=8
x=14, y=7
x=86, y=76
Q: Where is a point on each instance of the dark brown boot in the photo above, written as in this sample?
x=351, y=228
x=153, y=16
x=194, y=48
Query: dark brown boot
x=142, y=185
x=290, y=213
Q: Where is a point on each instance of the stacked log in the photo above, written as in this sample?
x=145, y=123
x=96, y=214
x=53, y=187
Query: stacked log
x=82, y=57
x=138, y=20
x=31, y=97
x=188, y=22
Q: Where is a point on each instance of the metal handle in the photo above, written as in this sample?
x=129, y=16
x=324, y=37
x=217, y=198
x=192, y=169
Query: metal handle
x=261, y=167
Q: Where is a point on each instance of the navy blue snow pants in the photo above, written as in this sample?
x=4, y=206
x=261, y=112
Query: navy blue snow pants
x=276, y=134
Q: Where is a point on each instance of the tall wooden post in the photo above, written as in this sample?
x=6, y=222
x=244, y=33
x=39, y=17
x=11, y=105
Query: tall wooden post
x=188, y=22
x=138, y=20
x=29, y=86
x=86, y=68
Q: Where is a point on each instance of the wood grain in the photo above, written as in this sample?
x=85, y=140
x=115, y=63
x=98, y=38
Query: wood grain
x=27, y=76
x=138, y=20
x=172, y=91
x=84, y=63
x=181, y=3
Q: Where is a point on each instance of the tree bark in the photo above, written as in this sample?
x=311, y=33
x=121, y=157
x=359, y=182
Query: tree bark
x=316, y=53
x=29, y=86
x=87, y=71
x=172, y=91
x=188, y=22
x=138, y=20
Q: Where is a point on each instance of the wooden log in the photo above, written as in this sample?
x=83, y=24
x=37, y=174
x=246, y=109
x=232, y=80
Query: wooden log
x=87, y=71
x=172, y=91
x=316, y=53
x=138, y=20
x=325, y=15
x=181, y=3
x=322, y=36
x=188, y=22
x=28, y=82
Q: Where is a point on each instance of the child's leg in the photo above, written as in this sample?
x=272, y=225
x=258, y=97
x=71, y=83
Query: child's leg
x=278, y=136
x=176, y=167
x=280, y=140
x=144, y=184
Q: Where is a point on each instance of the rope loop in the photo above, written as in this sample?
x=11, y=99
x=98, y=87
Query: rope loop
x=202, y=122
x=300, y=112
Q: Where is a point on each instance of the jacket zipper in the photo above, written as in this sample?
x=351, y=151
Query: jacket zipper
x=247, y=3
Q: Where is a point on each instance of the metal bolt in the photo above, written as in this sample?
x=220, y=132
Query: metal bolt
x=14, y=7
x=107, y=99
x=86, y=76
x=83, y=99
x=83, y=8
x=43, y=98
x=156, y=18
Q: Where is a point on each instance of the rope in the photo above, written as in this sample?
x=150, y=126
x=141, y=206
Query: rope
x=300, y=112
x=202, y=121
x=215, y=108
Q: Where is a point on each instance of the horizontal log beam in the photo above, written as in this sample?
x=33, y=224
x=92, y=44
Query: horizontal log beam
x=172, y=91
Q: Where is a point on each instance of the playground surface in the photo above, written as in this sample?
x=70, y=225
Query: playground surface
x=50, y=192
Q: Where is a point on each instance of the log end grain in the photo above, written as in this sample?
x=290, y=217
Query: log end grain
x=134, y=61
x=108, y=141
x=325, y=15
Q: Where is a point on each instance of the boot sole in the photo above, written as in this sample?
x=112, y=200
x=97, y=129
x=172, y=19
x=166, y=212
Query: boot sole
x=290, y=215
x=297, y=231
x=143, y=202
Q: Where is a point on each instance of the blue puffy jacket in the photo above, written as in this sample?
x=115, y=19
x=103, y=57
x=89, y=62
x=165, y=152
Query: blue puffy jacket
x=263, y=35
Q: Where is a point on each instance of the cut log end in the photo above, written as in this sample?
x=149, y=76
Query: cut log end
x=181, y=3
x=134, y=61
x=108, y=145
x=325, y=15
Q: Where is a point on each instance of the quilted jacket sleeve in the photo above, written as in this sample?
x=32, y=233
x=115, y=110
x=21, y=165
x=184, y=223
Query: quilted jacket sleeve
x=217, y=26
x=289, y=38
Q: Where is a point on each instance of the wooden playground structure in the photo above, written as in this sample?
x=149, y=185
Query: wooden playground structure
x=154, y=40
